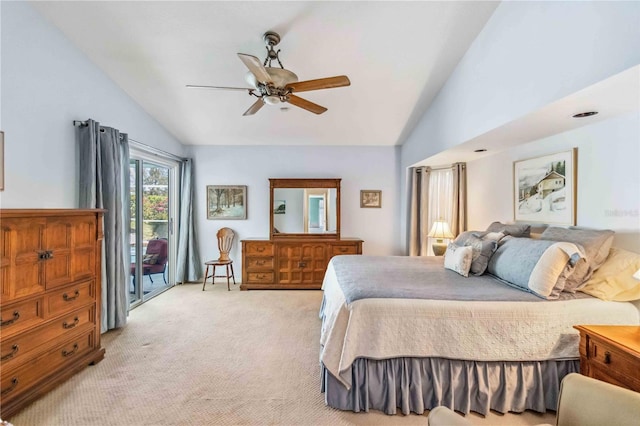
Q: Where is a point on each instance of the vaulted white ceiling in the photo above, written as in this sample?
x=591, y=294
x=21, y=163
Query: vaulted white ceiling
x=396, y=54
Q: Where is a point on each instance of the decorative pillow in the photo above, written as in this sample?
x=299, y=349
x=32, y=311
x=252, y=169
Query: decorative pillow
x=595, y=244
x=493, y=236
x=458, y=259
x=150, y=259
x=482, y=250
x=540, y=267
x=463, y=237
x=614, y=280
x=515, y=230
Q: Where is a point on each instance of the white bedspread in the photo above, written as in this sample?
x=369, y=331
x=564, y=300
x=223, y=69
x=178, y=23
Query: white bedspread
x=468, y=330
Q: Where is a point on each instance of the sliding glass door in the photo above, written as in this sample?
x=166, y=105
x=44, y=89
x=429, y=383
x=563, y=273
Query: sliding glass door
x=151, y=234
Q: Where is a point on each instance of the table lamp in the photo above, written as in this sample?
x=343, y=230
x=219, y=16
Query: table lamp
x=440, y=230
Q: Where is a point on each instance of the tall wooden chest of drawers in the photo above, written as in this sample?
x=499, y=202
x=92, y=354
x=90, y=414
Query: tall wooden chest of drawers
x=50, y=300
x=290, y=263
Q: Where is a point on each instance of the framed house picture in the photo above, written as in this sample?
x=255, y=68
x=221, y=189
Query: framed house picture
x=370, y=198
x=545, y=188
x=226, y=202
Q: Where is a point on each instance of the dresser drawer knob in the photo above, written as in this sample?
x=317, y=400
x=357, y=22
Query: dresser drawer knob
x=16, y=316
x=69, y=353
x=14, y=350
x=607, y=357
x=343, y=249
x=14, y=383
x=260, y=249
x=68, y=298
x=260, y=263
x=73, y=324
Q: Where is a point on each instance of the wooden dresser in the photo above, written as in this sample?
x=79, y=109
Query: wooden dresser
x=50, y=300
x=611, y=353
x=290, y=263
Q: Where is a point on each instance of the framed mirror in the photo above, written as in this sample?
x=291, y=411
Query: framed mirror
x=305, y=208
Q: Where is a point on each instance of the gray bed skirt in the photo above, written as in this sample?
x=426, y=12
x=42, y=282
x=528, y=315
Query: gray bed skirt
x=419, y=384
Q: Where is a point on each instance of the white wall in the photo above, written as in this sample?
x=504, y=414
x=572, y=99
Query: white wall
x=358, y=167
x=528, y=55
x=46, y=84
x=608, y=194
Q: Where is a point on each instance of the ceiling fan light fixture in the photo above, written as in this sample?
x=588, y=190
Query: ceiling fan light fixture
x=280, y=77
x=271, y=99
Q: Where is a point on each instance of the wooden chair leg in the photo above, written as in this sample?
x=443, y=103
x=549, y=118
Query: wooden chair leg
x=233, y=275
x=206, y=272
x=228, y=288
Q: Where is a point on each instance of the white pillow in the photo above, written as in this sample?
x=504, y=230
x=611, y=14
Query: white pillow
x=458, y=259
x=549, y=275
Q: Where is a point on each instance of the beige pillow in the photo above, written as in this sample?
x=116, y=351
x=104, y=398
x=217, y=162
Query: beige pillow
x=614, y=279
x=458, y=259
x=549, y=276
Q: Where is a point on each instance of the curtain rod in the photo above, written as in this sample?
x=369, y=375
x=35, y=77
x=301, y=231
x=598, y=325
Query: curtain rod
x=417, y=168
x=140, y=145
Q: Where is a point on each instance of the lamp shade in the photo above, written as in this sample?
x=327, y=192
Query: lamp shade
x=440, y=230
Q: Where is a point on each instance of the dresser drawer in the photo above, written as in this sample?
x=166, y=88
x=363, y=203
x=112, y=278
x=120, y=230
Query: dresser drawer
x=21, y=316
x=259, y=263
x=21, y=347
x=72, y=297
x=16, y=381
x=344, y=249
x=607, y=360
x=262, y=248
x=260, y=277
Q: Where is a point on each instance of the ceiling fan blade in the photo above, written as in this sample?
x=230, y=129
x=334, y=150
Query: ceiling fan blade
x=321, y=83
x=256, y=67
x=255, y=107
x=305, y=104
x=192, y=86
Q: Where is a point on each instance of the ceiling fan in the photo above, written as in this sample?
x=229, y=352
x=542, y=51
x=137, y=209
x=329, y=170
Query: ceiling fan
x=272, y=85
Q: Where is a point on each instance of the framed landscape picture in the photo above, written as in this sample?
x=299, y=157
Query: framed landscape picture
x=545, y=189
x=226, y=202
x=370, y=198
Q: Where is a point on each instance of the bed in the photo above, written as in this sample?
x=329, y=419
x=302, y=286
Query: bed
x=405, y=333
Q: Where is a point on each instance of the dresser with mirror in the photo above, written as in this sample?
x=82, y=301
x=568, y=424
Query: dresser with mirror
x=304, y=234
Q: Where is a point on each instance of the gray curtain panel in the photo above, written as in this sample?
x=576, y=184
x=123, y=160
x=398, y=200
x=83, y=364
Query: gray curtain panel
x=459, y=216
x=188, y=267
x=419, y=210
x=104, y=182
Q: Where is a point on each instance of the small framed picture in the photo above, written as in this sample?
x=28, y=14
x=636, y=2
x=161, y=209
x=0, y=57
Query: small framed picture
x=370, y=198
x=279, y=207
x=226, y=202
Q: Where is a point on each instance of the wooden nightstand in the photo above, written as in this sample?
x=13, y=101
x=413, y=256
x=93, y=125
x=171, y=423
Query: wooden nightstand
x=611, y=353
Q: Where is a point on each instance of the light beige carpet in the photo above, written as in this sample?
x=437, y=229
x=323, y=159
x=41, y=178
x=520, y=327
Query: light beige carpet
x=190, y=357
